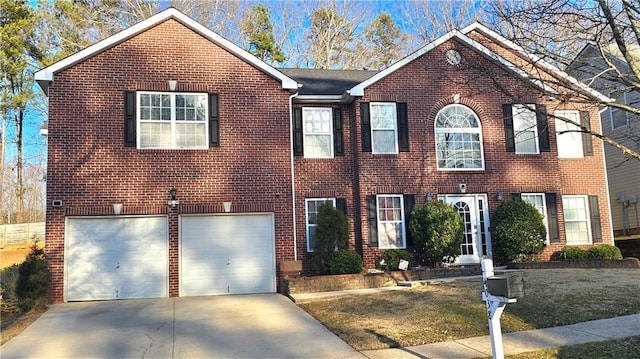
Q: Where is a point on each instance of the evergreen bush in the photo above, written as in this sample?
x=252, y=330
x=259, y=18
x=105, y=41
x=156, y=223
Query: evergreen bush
x=344, y=262
x=331, y=235
x=604, y=251
x=569, y=253
x=33, y=280
x=437, y=231
x=391, y=259
x=518, y=231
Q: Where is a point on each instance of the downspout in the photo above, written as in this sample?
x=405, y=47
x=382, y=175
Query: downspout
x=293, y=177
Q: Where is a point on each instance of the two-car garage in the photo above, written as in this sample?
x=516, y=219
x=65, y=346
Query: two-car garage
x=123, y=257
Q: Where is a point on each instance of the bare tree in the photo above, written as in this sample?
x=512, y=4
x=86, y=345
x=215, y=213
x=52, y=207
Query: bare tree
x=556, y=30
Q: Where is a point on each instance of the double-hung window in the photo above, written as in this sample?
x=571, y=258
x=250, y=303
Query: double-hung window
x=525, y=128
x=538, y=201
x=458, y=139
x=391, y=226
x=576, y=219
x=172, y=120
x=568, y=134
x=619, y=117
x=384, y=130
x=318, y=133
x=313, y=207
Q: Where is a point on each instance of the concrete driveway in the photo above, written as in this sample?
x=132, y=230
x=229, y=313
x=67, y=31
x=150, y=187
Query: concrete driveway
x=234, y=326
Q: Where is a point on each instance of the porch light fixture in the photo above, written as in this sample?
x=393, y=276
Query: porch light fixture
x=173, y=202
x=227, y=206
x=463, y=187
x=428, y=197
x=499, y=196
x=117, y=208
x=172, y=85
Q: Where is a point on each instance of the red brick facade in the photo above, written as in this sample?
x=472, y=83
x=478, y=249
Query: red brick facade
x=89, y=168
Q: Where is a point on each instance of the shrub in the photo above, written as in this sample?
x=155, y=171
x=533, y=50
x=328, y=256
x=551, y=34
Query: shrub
x=33, y=279
x=331, y=234
x=437, y=231
x=518, y=231
x=604, y=251
x=391, y=259
x=569, y=253
x=8, y=281
x=344, y=262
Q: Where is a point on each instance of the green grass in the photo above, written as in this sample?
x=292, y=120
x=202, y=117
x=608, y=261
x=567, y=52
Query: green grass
x=455, y=310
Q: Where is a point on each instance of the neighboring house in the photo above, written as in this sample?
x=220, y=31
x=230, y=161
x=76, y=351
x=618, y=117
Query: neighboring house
x=181, y=165
x=622, y=172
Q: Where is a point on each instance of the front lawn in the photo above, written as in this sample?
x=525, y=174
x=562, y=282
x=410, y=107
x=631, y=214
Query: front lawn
x=625, y=348
x=455, y=310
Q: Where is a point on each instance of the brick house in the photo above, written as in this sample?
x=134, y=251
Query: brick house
x=181, y=165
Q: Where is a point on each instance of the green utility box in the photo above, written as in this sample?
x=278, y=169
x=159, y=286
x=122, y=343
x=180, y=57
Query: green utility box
x=508, y=285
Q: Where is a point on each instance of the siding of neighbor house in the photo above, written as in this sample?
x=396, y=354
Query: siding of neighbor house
x=90, y=168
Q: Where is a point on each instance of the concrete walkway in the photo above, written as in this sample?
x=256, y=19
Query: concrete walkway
x=519, y=342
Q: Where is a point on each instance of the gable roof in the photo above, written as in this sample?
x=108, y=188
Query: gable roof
x=46, y=76
x=461, y=35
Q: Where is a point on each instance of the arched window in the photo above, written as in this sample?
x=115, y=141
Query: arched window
x=458, y=139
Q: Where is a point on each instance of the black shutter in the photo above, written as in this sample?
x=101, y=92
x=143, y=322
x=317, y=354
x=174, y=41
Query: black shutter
x=298, y=145
x=543, y=128
x=338, y=136
x=366, y=127
x=587, y=141
x=129, y=119
x=409, y=202
x=596, y=224
x=552, y=217
x=214, y=121
x=509, y=138
x=372, y=219
x=403, y=126
x=341, y=205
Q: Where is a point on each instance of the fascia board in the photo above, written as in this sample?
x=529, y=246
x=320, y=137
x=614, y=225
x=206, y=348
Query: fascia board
x=46, y=75
x=358, y=90
x=535, y=59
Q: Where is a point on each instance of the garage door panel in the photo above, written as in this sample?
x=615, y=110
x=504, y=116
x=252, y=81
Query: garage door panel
x=116, y=258
x=227, y=254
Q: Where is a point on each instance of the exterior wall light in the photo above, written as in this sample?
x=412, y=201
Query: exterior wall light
x=173, y=202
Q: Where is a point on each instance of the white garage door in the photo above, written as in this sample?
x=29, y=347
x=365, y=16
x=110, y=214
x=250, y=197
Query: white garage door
x=116, y=258
x=227, y=254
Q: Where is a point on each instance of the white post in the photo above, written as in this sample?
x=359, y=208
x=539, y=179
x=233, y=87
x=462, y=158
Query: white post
x=495, y=307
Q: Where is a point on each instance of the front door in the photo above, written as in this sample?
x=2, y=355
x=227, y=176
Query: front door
x=476, y=243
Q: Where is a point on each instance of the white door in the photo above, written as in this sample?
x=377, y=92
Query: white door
x=116, y=258
x=476, y=243
x=227, y=254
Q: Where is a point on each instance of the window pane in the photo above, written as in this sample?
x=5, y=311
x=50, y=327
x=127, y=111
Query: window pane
x=317, y=146
x=526, y=142
x=458, y=138
x=390, y=235
x=384, y=141
x=568, y=135
x=155, y=135
x=383, y=116
x=191, y=135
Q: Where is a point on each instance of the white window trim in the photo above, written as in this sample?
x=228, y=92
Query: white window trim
x=402, y=224
x=395, y=127
x=173, y=120
x=517, y=110
x=544, y=211
x=563, y=114
x=612, y=110
x=330, y=133
x=306, y=211
x=460, y=130
x=588, y=220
